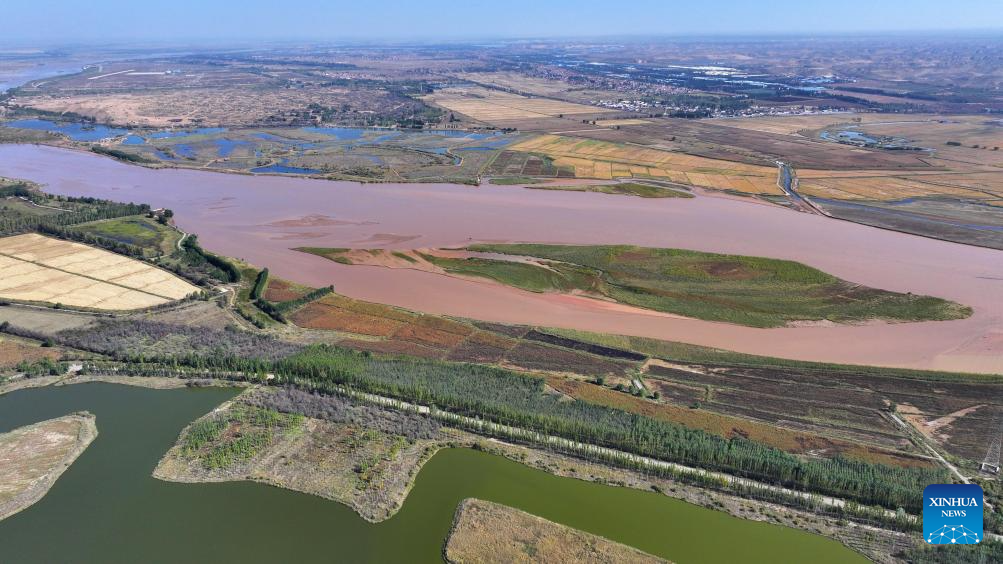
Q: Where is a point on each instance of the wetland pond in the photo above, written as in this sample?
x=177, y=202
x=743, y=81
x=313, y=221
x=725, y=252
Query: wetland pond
x=108, y=508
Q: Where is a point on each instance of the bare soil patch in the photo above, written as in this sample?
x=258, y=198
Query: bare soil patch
x=34, y=457
x=489, y=532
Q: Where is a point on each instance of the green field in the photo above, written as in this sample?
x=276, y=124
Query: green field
x=525, y=276
x=137, y=230
x=752, y=291
x=16, y=206
x=227, y=437
x=514, y=180
x=624, y=188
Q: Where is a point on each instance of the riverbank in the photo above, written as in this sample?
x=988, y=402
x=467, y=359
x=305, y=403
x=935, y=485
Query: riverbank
x=261, y=219
x=34, y=457
x=151, y=382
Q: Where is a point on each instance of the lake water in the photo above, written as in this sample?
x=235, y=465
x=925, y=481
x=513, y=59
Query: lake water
x=107, y=508
x=75, y=131
x=224, y=147
x=282, y=167
x=90, y=132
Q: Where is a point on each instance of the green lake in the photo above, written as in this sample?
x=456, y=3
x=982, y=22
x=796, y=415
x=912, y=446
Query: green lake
x=107, y=507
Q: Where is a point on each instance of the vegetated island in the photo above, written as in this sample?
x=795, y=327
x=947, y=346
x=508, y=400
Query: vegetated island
x=34, y=457
x=489, y=532
x=365, y=457
x=620, y=188
x=745, y=290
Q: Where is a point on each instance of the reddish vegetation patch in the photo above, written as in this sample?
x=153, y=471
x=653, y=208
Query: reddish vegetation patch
x=393, y=347
x=444, y=324
x=280, y=290
x=338, y=313
x=492, y=340
x=14, y=352
x=530, y=356
x=428, y=336
x=514, y=331
x=369, y=308
x=318, y=315
x=728, y=270
x=469, y=351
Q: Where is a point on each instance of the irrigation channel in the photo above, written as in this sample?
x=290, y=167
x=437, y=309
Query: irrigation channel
x=108, y=508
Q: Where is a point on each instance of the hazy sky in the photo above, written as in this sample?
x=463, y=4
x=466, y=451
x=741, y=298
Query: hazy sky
x=56, y=21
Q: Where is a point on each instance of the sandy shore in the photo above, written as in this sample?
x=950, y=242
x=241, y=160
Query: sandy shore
x=490, y=532
x=34, y=457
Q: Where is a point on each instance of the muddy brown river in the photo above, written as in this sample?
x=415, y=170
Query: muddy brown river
x=260, y=218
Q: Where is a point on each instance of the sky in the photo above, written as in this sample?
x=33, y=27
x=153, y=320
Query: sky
x=61, y=21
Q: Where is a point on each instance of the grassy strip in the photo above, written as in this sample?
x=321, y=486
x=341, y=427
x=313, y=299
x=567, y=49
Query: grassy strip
x=514, y=180
x=330, y=253
x=696, y=354
x=78, y=210
x=286, y=307
x=260, y=285
x=246, y=305
x=521, y=275
x=137, y=230
x=624, y=188
x=752, y=291
x=403, y=256
x=227, y=271
x=122, y=155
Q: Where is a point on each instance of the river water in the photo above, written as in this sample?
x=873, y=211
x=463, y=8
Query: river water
x=260, y=219
x=107, y=508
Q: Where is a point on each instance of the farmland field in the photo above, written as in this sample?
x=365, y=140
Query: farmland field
x=41, y=269
x=16, y=351
x=621, y=188
x=604, y=160
x=499, y=108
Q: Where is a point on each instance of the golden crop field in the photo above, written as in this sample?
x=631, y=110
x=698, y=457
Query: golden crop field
x=489, y=105
x=625, y=121
x=882, y=188
x=604, y=160
x=972, y=184
x=517, y=82
x=963, y=152
x=791, y=125
x=42, y=269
